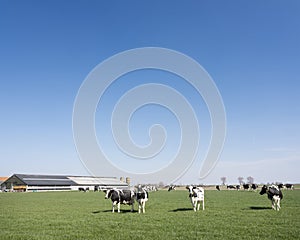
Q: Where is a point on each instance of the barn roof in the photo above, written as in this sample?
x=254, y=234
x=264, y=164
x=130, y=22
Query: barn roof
x=2, y=179
x=64, y=180
x=103, y=181
x=45, y=180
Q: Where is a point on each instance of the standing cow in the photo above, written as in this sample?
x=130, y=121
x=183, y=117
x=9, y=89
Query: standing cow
x=119, y=196
x=254, y=186
x=274, y=194
x=246, y=186
x=196, y=195
x=141, y=197
x=289, y=186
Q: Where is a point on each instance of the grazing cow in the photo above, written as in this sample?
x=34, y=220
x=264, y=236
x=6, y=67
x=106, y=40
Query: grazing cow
x=141, y=197
x=172, y=187
x=246, y=186
x=218, y=188
x=230, y=187
x=289, y=186
x=196, y=195
x=274, y=194
x=238, y=187
x=118, y=197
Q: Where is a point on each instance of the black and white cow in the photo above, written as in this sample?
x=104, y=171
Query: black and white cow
x=254, y=186
x=171, y=187
x=274, y=194
x=246, y=186
x=196, y=195
x=81, y=189
x=218, y=188
x=289, y=186
x=231, y=187
x=119, y=196
x=141, y=197
x=280, y=185
x=151, y=188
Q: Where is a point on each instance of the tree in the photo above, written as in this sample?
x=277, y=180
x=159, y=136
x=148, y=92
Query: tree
x=250, y=180
x=223, y=179
x=240, y=179
x=161, y=184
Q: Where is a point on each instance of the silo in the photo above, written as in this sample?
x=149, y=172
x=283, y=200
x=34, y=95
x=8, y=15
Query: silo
x=128, y=180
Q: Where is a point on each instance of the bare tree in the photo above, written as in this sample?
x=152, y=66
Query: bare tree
x=223, y=179
x=241, y=180
x=161, y=184
x=250, y=180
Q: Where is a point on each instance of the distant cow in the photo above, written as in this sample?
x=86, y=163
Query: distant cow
x=289, y=186
x=171, y=187
x=150, y=188
x=274, y=194
x=246, y=186
x=119, y=196
x=141, y=197
x=218, y=188
x=81, y=189
x=238, y=187
x=196, y=195
x=231, y=187
x=280, y=185
x=254, y=186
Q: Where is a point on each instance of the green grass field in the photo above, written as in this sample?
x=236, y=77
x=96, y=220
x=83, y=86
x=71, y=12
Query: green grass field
x=79, y=215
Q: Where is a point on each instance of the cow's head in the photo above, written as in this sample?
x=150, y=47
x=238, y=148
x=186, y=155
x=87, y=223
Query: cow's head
x=263, y=190
x=190, y=189
x=108, y=193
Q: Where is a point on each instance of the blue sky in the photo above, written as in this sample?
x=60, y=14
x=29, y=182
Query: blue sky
x=250, y=48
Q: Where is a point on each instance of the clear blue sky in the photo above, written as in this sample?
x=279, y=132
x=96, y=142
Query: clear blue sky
x=250, y=48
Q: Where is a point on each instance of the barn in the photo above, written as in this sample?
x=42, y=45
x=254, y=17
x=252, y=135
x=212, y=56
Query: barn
x=34, y=183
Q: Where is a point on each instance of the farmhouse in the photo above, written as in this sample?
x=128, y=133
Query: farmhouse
x=31, y=182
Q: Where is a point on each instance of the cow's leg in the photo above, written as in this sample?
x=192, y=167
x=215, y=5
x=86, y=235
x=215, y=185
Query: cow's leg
x=113, y=206
x=273, y=203
x=277, y=203
x=132, y=207
x=203, y=204
x=198, y=205
x=195, y=205
x=144, y=203
x=119, y=206
x=140, y=206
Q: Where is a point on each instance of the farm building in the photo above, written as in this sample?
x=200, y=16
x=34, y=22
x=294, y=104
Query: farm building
x=2, y=179
x=31, y=182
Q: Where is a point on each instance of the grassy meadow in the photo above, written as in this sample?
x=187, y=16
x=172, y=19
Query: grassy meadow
x=229, y=214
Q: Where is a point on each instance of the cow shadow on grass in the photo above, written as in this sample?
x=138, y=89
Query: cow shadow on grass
x=257, y=208
x=181, y=210
x=110, y=211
